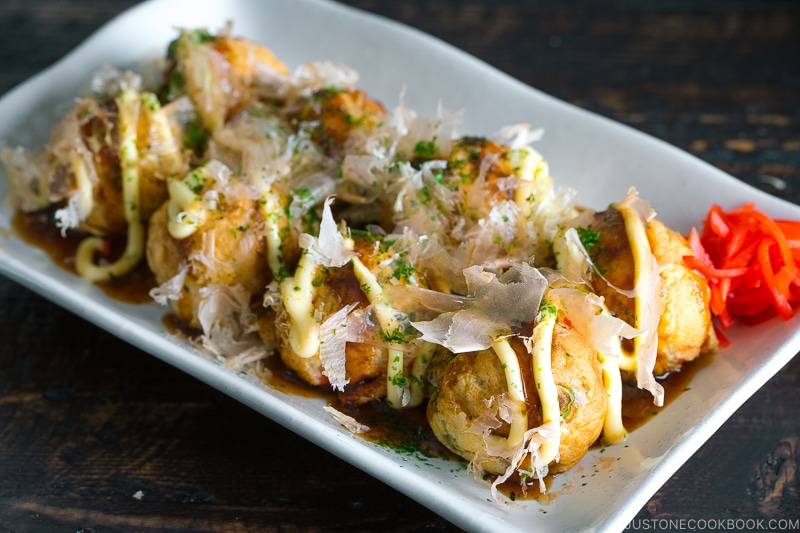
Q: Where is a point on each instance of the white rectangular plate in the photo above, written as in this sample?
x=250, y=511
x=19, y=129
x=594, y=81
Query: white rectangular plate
x=596, y=156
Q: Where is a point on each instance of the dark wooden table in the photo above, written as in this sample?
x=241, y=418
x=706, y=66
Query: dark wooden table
x=86, y=421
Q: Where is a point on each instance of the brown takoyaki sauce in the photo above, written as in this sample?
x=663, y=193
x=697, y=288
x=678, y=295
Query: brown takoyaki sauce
x=38, y=230
x=637, y=404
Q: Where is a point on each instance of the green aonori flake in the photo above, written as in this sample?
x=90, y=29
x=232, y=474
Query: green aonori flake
x=588, y=237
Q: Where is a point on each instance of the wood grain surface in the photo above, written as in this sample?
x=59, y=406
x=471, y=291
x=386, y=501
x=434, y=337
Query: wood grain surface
x=98, y=436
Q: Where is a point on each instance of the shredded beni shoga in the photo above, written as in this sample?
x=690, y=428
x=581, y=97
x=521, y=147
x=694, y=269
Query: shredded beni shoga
x=378, y=253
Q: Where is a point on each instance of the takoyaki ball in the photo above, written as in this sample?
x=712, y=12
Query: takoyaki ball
x=159, y=156
x=82, y=162
x=335, y=288
x=477, y=177
x=365, y=364
x=472, y=381
x=485, y=202
x=229, y=248
x=474, y=157
x=468, y=381
x=579, y=378
x=435, y=372
x=606, y=241
x=251, y=63
x=336, y=117
x=685, y=329
x=107, y=217
x=221, y=74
